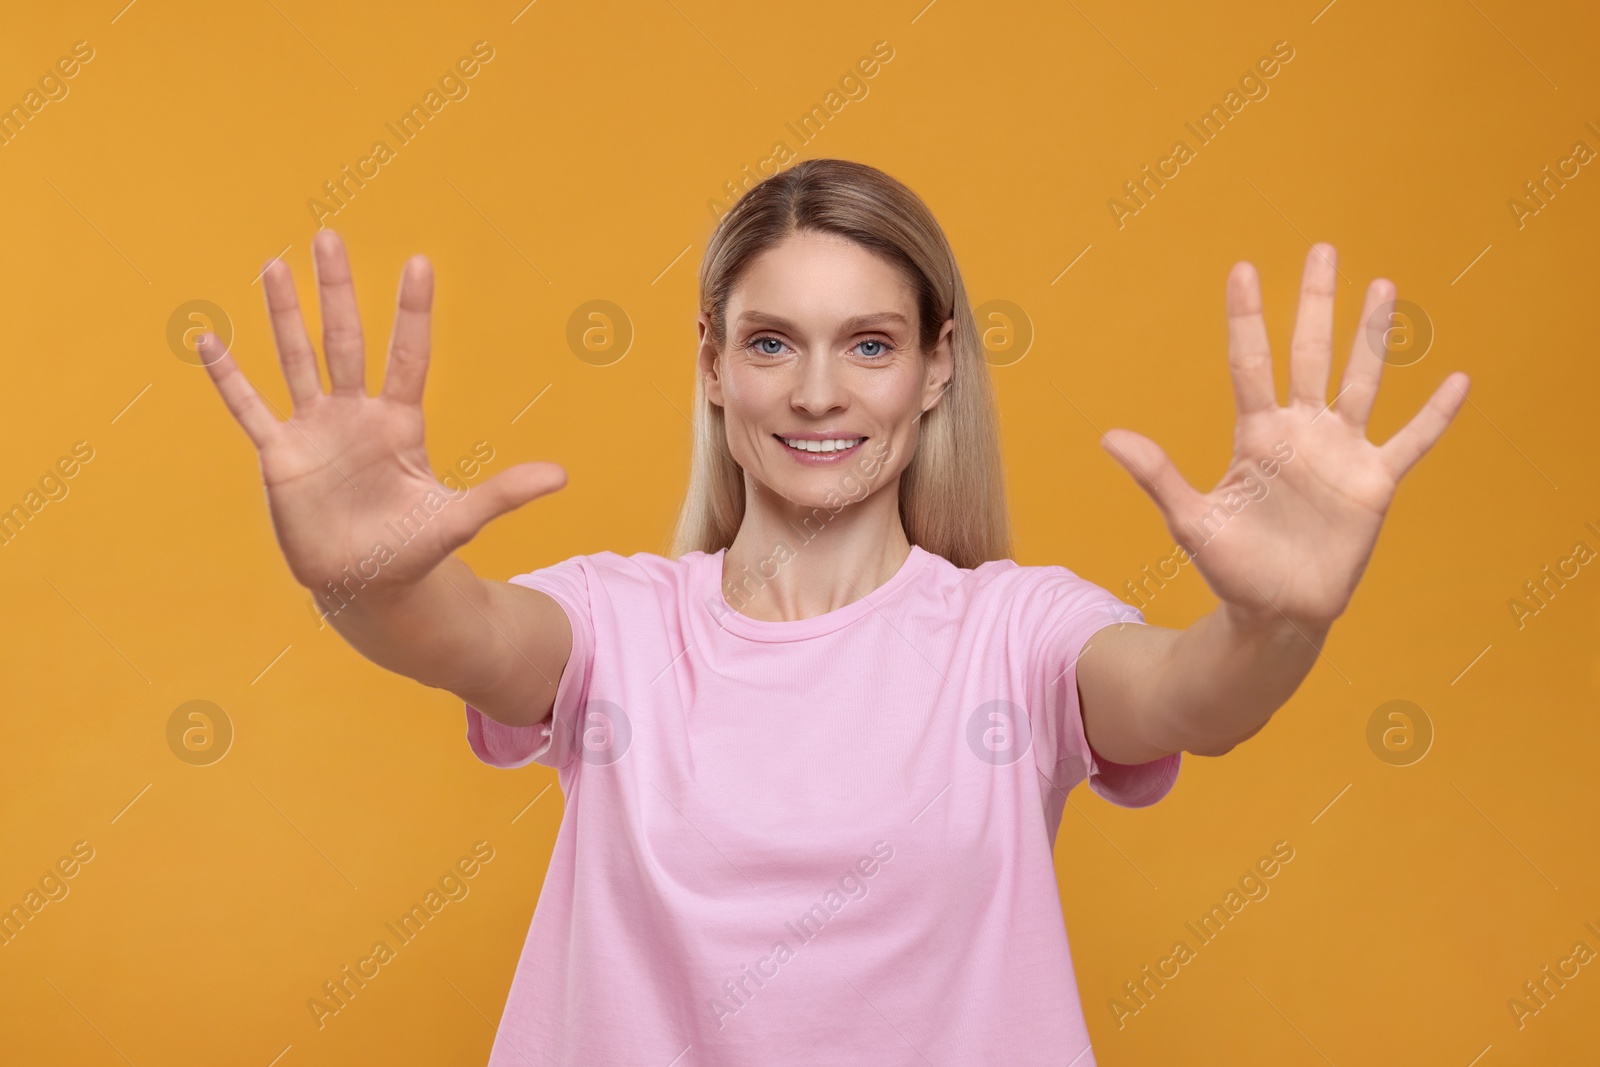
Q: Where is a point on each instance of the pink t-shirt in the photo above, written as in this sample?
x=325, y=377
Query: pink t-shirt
x=821, y=841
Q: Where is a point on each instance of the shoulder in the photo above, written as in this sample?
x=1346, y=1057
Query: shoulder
x=1006, y=587
x=618, y=574
x=638, y=565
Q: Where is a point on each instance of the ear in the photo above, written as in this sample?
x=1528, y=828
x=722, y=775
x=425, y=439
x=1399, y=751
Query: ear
x=709, y=365
x=940, y=366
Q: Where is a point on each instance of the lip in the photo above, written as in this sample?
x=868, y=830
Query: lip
x=819, y=459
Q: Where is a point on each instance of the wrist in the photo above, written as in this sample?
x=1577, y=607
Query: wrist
x=1264, y=624
x=378, y=596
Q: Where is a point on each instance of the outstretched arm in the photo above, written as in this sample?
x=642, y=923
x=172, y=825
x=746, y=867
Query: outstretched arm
x=361, y=519
x=1281, y=541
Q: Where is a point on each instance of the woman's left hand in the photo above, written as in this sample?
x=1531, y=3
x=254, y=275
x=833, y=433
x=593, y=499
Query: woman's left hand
x=1291, y=546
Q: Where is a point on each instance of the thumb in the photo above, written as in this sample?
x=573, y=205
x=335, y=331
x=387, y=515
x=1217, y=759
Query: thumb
x=506, y=491
x=1150, y=467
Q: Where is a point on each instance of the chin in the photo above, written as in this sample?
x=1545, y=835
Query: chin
x=827, y=479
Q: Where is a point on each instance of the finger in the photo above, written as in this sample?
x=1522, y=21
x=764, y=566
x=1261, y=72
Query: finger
x=1413, y=440
x=248, y=408
x=299, y=359
x=341, y=324
x=1358, y=389
x=506, y=491
x=409, y=346
x=1311, y=350
x=1249, y=357
x=1155, y=473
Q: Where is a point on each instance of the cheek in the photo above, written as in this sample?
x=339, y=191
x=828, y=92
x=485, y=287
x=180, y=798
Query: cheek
x=748, y=395
x=884, y=394
x=737, y=388
x=750, y=401
x=894, y=400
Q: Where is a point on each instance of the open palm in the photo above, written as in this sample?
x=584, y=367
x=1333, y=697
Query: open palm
x=1291, y=539
x=348, y=472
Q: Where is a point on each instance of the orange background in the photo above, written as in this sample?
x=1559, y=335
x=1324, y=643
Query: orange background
x=579, y=168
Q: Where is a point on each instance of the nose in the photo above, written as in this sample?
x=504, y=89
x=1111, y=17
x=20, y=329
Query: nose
x=819, y=388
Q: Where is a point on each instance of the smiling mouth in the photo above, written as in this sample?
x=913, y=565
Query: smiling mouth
x=825, y=447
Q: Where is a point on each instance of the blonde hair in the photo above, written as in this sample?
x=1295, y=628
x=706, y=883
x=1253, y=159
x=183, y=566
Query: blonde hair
x=952, y=493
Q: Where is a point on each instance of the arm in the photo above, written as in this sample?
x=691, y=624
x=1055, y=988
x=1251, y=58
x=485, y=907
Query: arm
x=499, y=646
x=1282, y=540
x=361, y=519
x=1146, y=691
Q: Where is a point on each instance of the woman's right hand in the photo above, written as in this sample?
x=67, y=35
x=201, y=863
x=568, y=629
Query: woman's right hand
x=347, y=476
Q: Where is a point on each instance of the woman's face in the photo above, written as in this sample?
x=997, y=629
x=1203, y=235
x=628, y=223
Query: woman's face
x=822, y=348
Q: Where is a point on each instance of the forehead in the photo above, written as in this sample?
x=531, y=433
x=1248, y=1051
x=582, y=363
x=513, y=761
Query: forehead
x=820, y=280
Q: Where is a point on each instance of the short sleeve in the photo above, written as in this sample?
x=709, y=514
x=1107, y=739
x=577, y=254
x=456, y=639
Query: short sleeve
x=1068, y=610
x=551, y=743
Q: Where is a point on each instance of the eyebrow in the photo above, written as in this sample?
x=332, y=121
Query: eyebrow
x=857, y=322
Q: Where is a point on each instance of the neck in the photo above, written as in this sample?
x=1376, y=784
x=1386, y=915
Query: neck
x=791, y=561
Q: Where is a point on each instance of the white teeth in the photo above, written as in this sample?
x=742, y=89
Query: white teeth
x=832, y=445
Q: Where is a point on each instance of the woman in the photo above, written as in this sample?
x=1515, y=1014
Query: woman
x=814, y=763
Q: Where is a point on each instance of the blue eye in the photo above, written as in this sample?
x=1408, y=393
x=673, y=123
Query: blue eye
x=758, y=343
